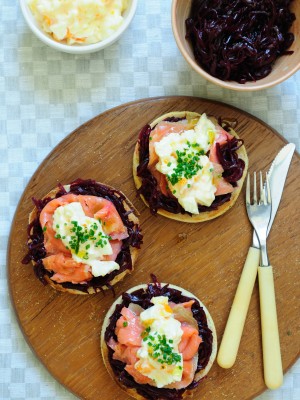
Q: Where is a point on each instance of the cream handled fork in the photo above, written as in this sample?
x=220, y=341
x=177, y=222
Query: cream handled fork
x=235, y=324
x=259, y=214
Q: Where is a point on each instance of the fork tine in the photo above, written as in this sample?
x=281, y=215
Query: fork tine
x=254, y=189
x=248, y=200
x=268, y=189
x=259, y=212
x=262, y=190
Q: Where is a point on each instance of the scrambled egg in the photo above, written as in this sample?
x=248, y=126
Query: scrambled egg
x=79, y=21
x=182, y=158
x=66, y=220
x=160, y=360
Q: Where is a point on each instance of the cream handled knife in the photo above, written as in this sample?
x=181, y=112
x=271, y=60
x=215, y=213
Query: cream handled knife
x=236, y=320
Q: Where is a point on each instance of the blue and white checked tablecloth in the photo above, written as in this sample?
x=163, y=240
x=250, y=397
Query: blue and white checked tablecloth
x=45, y=94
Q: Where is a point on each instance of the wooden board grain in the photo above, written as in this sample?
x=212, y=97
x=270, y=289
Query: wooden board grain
x=206, y=259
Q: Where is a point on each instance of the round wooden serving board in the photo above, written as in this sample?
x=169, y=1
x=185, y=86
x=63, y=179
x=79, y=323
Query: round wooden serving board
x=205, y=258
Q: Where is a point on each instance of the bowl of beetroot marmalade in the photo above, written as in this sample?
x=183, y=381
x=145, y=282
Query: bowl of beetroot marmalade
x=244, y=45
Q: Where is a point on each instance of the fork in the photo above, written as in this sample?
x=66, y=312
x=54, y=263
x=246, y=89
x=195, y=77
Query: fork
x=259, y=214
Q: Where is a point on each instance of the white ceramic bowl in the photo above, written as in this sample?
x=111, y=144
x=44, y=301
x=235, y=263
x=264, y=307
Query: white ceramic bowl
x=77, y=48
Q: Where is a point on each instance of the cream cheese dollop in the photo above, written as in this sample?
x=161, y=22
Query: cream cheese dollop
x=159, y=357
x=79, y=21
x=182, y=158
x=84, y=237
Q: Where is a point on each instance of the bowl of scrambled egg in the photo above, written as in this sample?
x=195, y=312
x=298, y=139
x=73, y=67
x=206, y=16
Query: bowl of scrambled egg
x=78, y=26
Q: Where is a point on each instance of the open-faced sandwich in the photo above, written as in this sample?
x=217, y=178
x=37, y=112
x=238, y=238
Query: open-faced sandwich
x=83, y=237
x=188, y=167
x=158, y=341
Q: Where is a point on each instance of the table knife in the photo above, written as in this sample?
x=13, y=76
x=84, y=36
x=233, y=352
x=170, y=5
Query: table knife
x=236, y=320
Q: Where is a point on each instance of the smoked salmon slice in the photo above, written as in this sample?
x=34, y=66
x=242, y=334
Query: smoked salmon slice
x=221, y=137
x=161, y=181
x=116, y=246
x=105, y=211
x=188, y=304
x=161, y=130
x=66, y=269
x=138, y=377
x=129, y=328
x=126, y=354
x=223, y=187
x=183, y=313
x=53, y=245
x=190, y=341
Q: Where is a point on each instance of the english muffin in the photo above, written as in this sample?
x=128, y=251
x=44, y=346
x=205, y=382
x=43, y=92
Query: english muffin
x=189, y=167
x=83, y=237
x=158, y=341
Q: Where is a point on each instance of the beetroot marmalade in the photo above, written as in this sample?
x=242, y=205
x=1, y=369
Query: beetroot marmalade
x=36, y=249
x=143, y=297
x=239, y=40
x=227, y=153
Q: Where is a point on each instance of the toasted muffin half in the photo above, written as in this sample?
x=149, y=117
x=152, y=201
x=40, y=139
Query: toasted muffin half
x=126, y=257
x=116, y=369
x=169, y=207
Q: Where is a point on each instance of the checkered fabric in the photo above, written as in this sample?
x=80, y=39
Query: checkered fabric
x=45, y=94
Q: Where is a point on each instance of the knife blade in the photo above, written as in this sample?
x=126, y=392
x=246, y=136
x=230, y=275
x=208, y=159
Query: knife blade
x=277, y=176
x=235, y=324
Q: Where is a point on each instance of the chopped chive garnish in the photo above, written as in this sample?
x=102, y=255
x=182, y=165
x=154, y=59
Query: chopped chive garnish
x=187, y=163
x=82, y=234
x=160, y=348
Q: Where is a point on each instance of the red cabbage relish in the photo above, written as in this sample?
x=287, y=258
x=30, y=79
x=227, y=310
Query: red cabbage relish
x=143, y=297
x=227, y=153
x=239, y=40
x=36, y=249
